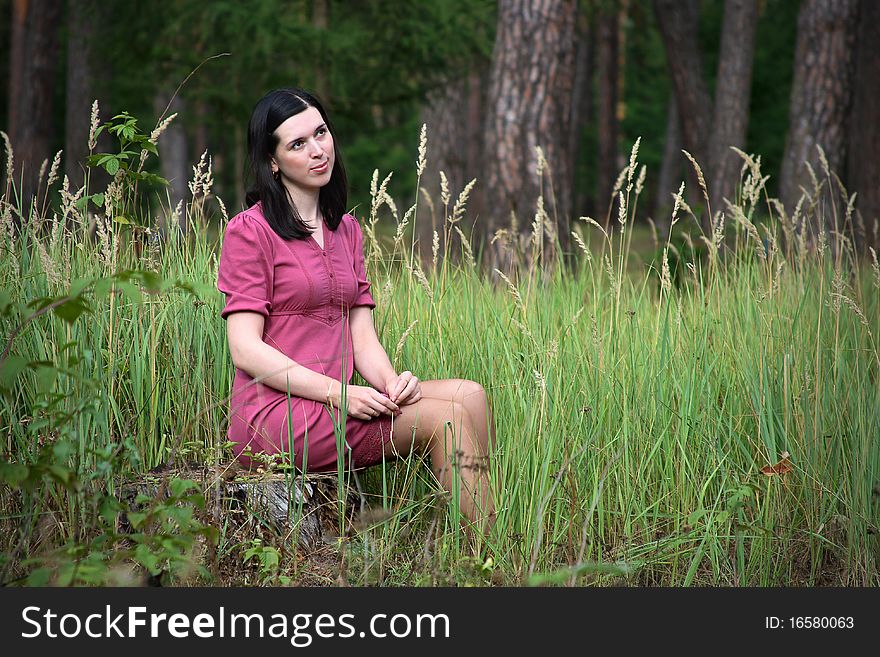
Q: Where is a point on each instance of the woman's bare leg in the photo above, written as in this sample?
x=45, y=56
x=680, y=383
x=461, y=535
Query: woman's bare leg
x=445, y=430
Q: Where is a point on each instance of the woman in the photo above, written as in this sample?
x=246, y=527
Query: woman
x=299, y=322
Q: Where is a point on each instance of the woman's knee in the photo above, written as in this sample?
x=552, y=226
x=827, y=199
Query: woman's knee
x=431, y=417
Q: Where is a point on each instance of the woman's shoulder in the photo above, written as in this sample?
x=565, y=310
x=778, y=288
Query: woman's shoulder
x=249, y=225
x=251, y=215
x=350, y=225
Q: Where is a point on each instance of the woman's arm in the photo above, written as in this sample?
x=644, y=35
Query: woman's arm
x=244, y=331
x=370, y=359
x=273, y=368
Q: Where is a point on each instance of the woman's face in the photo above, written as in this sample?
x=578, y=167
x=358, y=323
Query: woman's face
x=304, y=154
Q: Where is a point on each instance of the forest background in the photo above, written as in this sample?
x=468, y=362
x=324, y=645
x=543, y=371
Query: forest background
x=609, y=72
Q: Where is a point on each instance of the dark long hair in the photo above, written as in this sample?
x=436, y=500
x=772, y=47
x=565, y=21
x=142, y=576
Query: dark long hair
x=272, y=110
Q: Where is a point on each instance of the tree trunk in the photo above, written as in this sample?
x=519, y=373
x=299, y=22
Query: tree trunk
x=732, y=92
x=81, y=16
x=173, y=158
x=678, y=21
x=453, y=115
x=529, y=105
x=33, y=68
x=864, y=141
x=582, y=107
x=607, y=47
x=820, y=98
x=670, y=168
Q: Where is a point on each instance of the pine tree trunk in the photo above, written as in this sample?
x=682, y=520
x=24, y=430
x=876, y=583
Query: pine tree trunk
x=81, y=16
x=582, y=107
x=32, y=78
x=606, y=63
x=173, y=157
x=670, y=168
x=863, y=175
x=732, y=93
x=820, y=98
x=529, y=105
x=453, y=115
x=678, y=21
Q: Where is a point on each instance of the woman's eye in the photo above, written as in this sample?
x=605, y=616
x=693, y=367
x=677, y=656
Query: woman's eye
x=322, y=132
x=297, y=145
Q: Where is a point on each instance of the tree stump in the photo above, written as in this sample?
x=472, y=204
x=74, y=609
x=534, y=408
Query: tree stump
x=303, y=509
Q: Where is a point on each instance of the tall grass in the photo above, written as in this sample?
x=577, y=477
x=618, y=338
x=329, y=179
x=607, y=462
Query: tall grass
x=703, y=414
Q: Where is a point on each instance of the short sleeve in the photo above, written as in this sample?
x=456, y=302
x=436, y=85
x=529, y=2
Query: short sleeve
x=246, y=270
x=363, y=298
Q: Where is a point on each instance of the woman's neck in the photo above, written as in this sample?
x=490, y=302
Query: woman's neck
x=306, y=204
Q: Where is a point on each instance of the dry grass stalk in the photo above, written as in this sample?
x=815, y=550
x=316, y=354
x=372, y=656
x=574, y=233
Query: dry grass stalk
x=53, y=170
x=632, y=164
x=435, y=248
x=700, y=177
x=875, y=267
x=445, y=196
x=402, y=341
x=468, y=252
x=461, y=202
x=423, y=150
x=580, y=242
x=93, y=127
x=203, y=179
x=665, y=276
x=416, y=270
x=514, y=291
x=640, y=181
x=10, y=157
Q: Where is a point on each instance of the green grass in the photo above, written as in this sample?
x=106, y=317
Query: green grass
x=634, y=413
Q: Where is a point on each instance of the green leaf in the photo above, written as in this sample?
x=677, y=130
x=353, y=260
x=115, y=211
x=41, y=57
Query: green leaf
x=10, y=370
x=46, y=377
x=98, y=199
x=147, y=559
x=102, y=287
x=71, y=309
x=39, y=577
x=180, y=486
x=122, y=219
x=112, y=166
x=136, y=518
x=13, y=474
x=61, y=474
x=130, y=290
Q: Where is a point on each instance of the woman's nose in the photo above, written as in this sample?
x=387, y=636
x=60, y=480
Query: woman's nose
x=315, y=149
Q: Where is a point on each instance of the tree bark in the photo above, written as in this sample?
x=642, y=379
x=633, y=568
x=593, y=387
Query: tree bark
x=678, y=21
x=732, y=93
x=820, y=97
x=607, y=47
x=529, y=105
x=453, y=115
x=80, y=88
x=864, y=140
x=173, y=156
x=33, y=68
x=670, y=168
x=582, y=106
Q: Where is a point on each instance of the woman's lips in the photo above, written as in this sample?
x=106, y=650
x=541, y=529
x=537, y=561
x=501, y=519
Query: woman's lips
x=321, y=168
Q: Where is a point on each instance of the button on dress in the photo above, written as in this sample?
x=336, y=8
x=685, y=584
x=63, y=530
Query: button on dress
x=305, y=293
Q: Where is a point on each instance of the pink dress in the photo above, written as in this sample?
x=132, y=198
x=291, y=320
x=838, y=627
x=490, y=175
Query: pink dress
x=305, y=293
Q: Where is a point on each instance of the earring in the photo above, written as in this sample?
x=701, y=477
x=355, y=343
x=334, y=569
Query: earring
x=276, y=174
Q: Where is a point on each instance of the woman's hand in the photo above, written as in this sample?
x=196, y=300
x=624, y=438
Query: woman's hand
x=404, y=388
x=367, y=403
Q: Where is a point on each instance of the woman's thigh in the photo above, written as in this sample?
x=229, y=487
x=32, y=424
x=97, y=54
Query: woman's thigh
x=462, y=391
x=417, y=423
